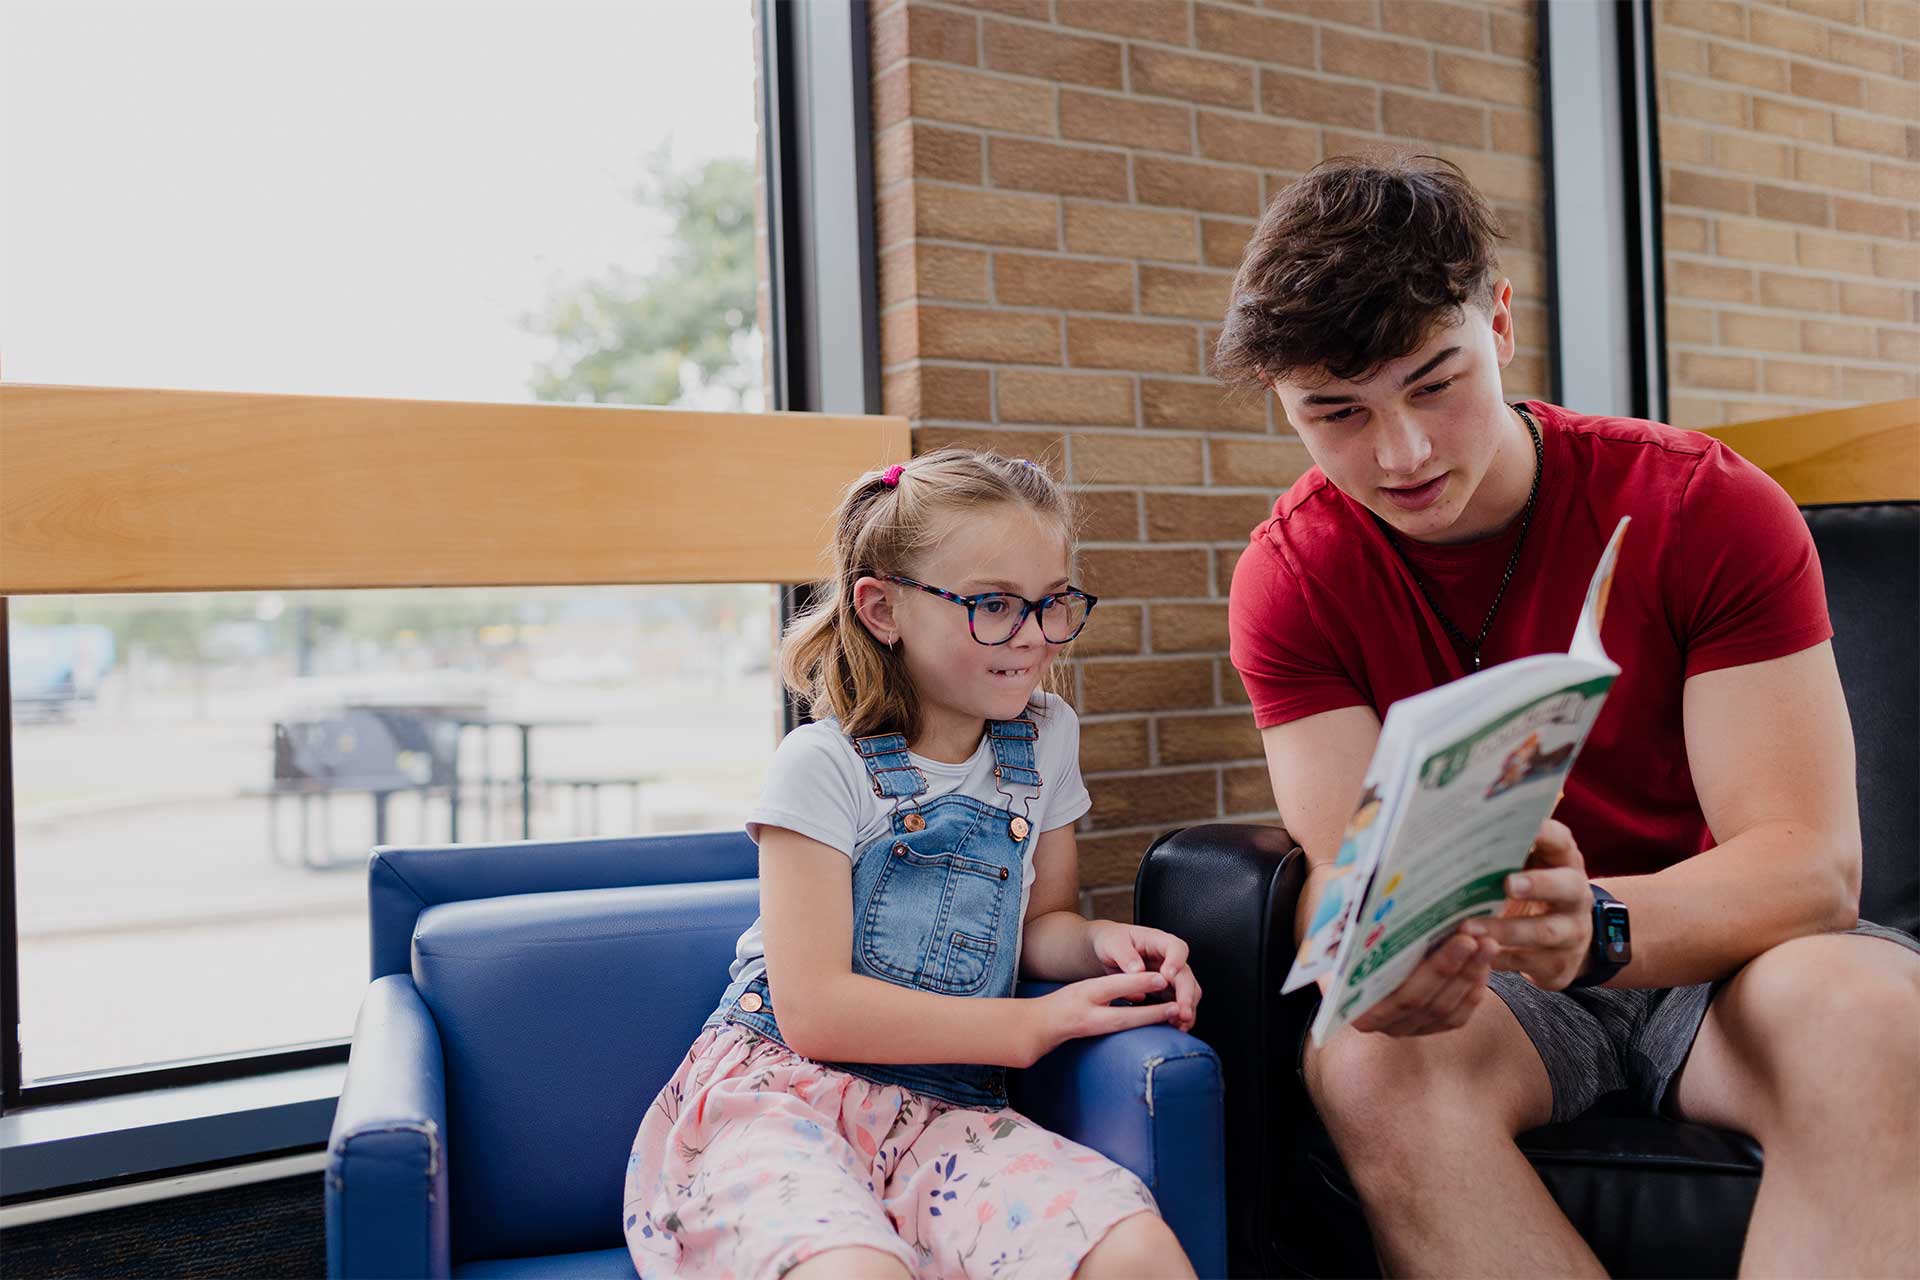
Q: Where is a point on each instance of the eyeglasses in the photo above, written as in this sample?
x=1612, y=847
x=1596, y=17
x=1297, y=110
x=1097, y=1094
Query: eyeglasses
x=996, y=617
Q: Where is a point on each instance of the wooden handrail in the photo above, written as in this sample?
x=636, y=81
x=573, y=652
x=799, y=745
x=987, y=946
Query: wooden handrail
x=122, y=489
x=1870, y=453
x=117, y=489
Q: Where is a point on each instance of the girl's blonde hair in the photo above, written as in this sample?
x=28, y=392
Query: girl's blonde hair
x=828, y=657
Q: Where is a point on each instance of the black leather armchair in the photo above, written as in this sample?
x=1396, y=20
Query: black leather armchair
x=1652, y=1197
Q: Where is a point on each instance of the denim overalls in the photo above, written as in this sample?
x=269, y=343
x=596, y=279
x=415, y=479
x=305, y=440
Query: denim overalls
x=936, y=905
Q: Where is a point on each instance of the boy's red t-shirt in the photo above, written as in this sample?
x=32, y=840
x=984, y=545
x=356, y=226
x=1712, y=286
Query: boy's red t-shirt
x=1717, y=570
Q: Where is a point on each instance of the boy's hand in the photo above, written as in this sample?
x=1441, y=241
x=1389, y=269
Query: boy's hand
x=1542, y=931
x=1546, y=926
x=1440, y=995
x=1132, y=948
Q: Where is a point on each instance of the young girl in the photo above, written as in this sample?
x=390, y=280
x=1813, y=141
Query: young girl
x=844, y=1111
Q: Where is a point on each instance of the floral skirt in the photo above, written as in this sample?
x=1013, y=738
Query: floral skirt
x=753, y=1159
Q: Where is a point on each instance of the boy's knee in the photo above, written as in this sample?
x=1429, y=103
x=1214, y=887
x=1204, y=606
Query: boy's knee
x=1807, y=997
x=1835, y=1013
x=1381, y=1092
x=1355, y=1075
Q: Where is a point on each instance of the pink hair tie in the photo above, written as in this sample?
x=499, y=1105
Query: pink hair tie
x=891, y=477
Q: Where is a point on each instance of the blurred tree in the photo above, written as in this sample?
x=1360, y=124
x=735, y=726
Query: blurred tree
x=684, y=329
x=171, y=627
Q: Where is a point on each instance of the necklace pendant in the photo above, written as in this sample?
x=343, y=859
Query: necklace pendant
x=1018, y=828
x=1476, y=661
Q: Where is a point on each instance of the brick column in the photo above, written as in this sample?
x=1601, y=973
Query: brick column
x=1064, y=190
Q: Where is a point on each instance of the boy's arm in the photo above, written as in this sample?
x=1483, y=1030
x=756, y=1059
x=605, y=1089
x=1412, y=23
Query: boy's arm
x=1317, y=765
x=1771, y=751
x=1768, y=742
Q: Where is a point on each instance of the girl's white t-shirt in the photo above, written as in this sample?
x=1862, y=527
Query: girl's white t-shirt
x=818, y=786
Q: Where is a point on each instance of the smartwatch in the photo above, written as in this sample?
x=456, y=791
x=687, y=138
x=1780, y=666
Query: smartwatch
x=1612, y=945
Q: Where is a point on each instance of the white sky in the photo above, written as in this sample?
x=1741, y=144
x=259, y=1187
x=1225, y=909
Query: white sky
x=331, y=199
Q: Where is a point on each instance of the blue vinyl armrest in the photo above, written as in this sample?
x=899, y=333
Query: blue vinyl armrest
x=386, y=1185
x=1150, y=1099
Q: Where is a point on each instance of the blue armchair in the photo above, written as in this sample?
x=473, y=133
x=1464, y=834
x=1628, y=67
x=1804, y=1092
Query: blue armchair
x=529, y=999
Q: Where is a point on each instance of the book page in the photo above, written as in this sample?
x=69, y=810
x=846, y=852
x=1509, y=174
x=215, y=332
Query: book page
x=1586, y=632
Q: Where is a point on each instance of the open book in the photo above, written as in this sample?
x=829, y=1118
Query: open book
x=1460, y=781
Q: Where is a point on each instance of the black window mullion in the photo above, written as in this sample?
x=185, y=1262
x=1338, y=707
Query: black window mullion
x=1646, y=253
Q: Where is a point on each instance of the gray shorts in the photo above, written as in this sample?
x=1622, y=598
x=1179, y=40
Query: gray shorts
x=1597, y=1040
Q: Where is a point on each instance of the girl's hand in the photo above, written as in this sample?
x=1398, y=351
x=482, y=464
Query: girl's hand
x=1087, y=1008
x=1132, y=948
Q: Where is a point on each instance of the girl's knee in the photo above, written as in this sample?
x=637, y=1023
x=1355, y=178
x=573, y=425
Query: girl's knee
x=1141, y=1245
x=854, y=1262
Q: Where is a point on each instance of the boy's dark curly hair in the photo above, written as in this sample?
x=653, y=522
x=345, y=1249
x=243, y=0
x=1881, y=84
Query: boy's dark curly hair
x=1352, y=267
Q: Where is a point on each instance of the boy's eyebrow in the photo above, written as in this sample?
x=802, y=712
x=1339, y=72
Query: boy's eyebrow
x=1407, y=381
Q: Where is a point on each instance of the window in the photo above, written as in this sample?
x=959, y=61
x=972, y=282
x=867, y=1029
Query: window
x=416, y=201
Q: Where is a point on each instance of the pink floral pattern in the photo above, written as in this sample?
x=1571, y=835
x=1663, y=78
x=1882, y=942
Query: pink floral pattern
x=753, y=1159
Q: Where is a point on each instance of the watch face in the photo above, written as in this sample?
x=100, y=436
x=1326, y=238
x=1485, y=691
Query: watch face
x=1616, y=940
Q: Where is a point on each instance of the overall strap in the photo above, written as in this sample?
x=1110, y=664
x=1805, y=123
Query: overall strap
x=1012, y=742
x=889, y=766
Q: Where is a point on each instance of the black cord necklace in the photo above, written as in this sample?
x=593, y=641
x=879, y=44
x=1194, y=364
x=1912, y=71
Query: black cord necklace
x=1526, y=522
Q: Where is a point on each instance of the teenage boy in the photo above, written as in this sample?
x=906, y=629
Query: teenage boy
x=1442, y=530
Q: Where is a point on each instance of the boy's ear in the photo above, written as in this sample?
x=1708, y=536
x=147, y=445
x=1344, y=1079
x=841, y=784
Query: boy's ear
x=1505, y=340
x=873, y=605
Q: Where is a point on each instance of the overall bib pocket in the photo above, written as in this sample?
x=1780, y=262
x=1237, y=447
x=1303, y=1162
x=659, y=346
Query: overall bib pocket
x=933, y=919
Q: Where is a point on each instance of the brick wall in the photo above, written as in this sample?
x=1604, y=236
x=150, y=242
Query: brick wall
x=1790, y=151
x=1064, y=188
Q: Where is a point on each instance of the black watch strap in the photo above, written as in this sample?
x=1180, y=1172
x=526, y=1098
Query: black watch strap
x=1611, y=947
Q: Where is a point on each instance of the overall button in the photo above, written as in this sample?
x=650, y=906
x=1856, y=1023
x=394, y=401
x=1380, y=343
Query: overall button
x=914, y=822
x=751, y=1002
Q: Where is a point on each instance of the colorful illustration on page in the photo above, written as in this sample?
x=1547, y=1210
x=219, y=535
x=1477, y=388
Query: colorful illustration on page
x=1328, y=927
